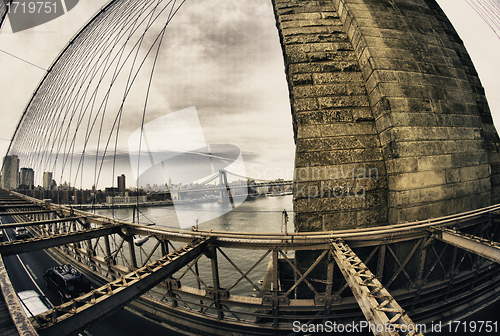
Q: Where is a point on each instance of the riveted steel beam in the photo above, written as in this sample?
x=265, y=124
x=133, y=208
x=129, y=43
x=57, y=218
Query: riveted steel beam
x=380, y=309
x=75, y=315
x=16, y=206
x=35, y=212
x=33, y=244
x=480, y=246
x=49, y=221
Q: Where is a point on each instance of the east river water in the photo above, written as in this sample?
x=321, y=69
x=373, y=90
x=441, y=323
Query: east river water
x=259, y=214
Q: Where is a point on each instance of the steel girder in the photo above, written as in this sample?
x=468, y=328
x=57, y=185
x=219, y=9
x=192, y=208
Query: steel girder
x=33, y=244
x=41, y=222
x=380, y=309
x=75, y=315
x=202, y=300
x=484, y=247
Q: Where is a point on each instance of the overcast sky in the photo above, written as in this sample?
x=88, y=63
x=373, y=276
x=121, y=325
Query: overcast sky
x=223, y=57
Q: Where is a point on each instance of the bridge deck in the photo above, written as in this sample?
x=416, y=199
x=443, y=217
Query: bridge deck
x=129, y=270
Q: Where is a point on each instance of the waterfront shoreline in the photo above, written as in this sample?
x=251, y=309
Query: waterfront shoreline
x=159, y=203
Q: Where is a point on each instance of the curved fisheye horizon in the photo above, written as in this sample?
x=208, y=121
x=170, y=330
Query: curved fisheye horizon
x=232, y=73
x=261, y=167
x=241, y=93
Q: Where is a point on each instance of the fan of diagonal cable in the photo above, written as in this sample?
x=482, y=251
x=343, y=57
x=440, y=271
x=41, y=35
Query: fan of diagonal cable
x=489, y=10
x=3, y=11
x=103, y=76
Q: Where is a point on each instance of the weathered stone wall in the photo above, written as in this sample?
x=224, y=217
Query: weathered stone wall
x=489, y=133
x=390, y=118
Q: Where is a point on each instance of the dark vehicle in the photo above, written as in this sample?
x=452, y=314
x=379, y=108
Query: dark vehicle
x=67, y=281
x=21, y=232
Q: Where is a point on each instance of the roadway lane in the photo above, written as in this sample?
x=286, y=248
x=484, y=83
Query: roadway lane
x=26, y=273
x=26, y=269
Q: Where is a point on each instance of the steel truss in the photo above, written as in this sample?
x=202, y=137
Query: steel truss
x=477, y=245
x=100, y=303
x=256, y=284
x=377, y=304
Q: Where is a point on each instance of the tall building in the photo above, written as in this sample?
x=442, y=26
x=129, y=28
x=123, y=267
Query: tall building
x=27, y=177
x=121, y=183
x=47, y=180
x=10, y=172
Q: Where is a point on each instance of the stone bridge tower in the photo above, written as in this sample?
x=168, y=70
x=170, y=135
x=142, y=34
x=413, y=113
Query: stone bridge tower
x=391, y=121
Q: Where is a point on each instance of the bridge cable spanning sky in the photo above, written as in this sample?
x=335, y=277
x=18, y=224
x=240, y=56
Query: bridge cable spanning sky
x=3, y=12
x=489, y=10
x=72, y=122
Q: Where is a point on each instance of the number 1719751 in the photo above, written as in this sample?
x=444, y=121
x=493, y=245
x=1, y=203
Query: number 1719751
x=31, y=7
x=473, y=326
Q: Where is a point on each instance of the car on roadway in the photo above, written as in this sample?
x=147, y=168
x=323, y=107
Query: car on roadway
x=33, y=304
x=67, y=281
x=21, y=232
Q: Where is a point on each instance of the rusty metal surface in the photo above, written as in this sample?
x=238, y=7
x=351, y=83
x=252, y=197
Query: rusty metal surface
x=20, y=321
x=397, y=232
x=483, y=247
x=427, y=276
x=100, y=303
x=25, y=212
x=26, y=224
x=378, y=305
x=38, y=243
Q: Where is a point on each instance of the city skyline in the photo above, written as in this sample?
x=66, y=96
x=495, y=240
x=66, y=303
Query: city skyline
x=233, y=75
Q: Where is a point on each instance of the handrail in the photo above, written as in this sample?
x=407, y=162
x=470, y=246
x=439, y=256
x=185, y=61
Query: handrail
x=120, y=258
x=19, y=317
x=295, y=237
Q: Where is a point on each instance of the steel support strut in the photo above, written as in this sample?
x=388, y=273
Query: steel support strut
x=38, y=243
x=483, y=247
x=69, y=318
x=382, y=312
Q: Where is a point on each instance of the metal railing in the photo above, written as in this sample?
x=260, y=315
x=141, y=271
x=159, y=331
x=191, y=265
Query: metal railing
x=266, y=284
